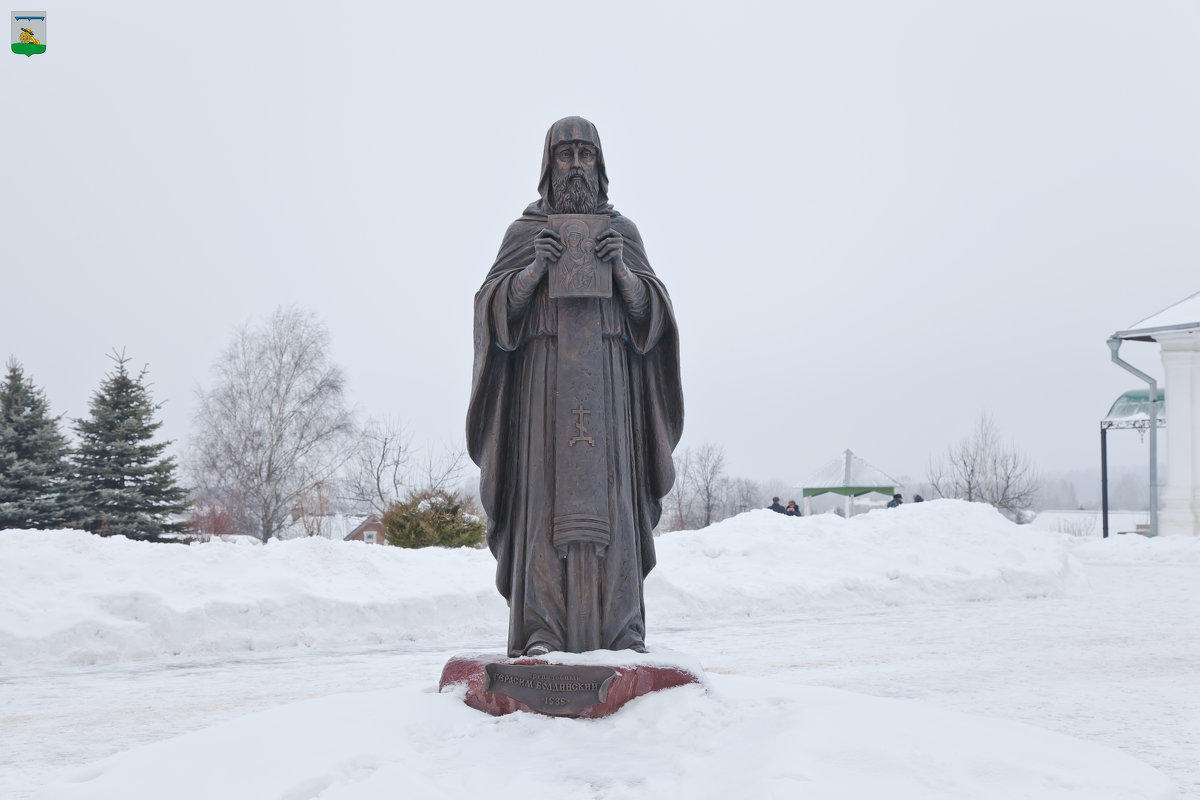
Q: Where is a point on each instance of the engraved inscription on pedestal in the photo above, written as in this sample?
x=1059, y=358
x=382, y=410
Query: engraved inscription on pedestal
x=551, y=688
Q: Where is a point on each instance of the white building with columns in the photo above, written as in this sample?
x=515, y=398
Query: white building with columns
x=1177, y=331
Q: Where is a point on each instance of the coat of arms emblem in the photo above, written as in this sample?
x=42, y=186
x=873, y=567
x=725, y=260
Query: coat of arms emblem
x=28, y=32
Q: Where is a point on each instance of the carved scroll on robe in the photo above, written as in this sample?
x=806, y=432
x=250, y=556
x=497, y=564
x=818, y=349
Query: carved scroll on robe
x=581, y=442
x=581, y=527
x=581, y=445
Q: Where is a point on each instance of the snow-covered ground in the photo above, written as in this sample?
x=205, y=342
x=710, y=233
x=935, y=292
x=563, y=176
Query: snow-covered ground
x=935, y=650
x=1088, y=524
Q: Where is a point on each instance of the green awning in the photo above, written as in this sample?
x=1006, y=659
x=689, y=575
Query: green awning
x=1132, y=410
x=849, y=491
x=849, y=476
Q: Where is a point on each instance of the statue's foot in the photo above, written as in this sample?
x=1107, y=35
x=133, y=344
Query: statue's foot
x=537, y=649
x=638, y=648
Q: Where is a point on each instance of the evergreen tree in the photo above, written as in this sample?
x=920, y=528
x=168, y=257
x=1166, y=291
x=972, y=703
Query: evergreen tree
x=433, y=518
x=37, y=488
x=129, y=487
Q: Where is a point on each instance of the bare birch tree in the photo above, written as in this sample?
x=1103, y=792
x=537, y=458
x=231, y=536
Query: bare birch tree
x=983, y=469
x=379, y=468
x=678, y=502
x=441, y=468
x=744, y=495
x=702, y=493
x=315, y=510
x=273, y=426
x=385, y=467
x=708, y=481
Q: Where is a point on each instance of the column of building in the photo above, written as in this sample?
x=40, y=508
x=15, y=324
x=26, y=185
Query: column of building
x=1180, y=511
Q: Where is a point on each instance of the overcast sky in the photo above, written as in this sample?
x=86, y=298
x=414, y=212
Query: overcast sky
x=876, y=219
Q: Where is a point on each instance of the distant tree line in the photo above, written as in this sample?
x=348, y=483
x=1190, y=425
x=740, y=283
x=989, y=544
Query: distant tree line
x=703, y=493
x=114, y=481
x=275, y=447
x=984, y=468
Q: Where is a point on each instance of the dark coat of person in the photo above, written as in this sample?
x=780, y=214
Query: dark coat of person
x=511, y=435
x=776, y=507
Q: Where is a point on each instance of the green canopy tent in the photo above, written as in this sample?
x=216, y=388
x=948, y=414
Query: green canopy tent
x=1131, y=410
x=849, y=476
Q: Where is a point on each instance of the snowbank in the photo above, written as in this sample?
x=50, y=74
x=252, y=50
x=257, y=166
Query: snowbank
x=1134, y=549
x=764, y=563
x=70, y=596
x=742, y=738
x=1087, y=523
x=1123, y=546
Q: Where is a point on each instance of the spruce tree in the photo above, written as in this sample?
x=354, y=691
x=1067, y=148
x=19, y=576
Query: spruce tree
x=129, y=486
x=37, y=488
x=433, y=518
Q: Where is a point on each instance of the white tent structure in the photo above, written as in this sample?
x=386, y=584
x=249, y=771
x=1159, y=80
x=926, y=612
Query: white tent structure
x=847, y=475
x=1177, y=331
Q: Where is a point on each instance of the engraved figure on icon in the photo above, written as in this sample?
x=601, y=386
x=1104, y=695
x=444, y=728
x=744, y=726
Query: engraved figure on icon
x=581, y=253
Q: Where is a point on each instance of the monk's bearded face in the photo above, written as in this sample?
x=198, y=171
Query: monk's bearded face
x=576, y=179
x=576, y=192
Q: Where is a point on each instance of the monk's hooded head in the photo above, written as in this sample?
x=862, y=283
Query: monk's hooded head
x=573, y=179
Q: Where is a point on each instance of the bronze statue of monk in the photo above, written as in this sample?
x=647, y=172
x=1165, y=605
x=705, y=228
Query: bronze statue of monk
x=575, y=409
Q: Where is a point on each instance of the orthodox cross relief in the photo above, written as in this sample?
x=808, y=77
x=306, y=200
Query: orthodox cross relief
x=581, y=436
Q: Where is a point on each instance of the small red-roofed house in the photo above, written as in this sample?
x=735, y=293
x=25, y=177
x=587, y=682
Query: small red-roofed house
x=370, y=531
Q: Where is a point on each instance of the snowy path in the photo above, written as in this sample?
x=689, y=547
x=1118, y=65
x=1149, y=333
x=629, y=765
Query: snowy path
x=1098, y=665
x=1094, y=665
x=68, y=717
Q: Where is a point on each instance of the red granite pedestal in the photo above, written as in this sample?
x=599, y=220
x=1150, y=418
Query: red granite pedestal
x=543, y=685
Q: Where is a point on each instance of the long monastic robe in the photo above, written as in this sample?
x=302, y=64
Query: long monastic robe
x=584, y=595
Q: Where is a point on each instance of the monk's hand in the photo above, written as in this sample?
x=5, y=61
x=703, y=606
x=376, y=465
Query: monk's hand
x=547, y=248
x=610, y=246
